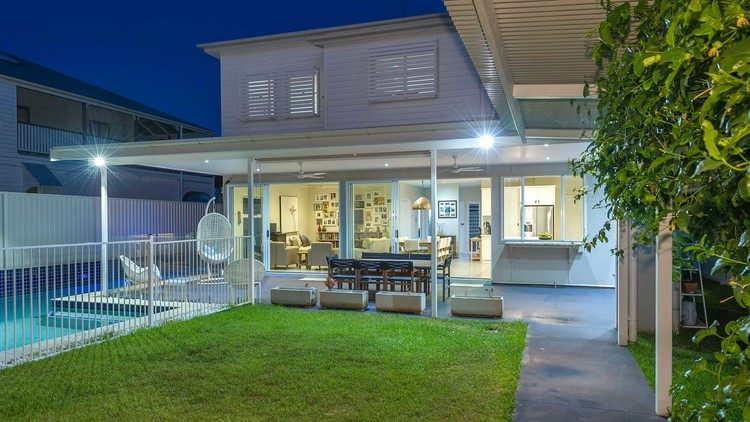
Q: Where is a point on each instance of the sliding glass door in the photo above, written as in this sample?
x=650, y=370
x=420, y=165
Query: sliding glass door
x=373, y=218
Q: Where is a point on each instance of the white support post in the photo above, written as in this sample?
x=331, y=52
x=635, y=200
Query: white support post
x=433, y=239
x=251, y=222
x=663, y=318
x=104, y=208
x=622, y=283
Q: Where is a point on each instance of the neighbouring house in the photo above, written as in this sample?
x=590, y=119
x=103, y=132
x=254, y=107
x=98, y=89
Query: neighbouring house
x=41, y=108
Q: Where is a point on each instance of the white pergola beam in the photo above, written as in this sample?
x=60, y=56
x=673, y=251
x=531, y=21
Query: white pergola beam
x=663, y=319
x=551, y=91
x=491, y=28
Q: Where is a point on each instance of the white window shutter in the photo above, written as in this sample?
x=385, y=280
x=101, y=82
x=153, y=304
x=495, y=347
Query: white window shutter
x=258, y=97
x=303, y=93
x=403, y=71
x=279, y=95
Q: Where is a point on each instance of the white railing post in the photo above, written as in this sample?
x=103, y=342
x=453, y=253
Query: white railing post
x=150, y=257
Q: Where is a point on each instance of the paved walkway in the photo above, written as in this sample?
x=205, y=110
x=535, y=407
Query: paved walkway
x=573, y=369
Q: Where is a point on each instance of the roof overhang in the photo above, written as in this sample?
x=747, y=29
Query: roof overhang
x=532, y=52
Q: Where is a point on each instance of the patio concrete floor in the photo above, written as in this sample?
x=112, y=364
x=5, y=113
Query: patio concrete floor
x=573, y=369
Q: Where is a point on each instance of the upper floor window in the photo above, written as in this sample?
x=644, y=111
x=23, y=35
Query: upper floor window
x=280, y=95
x=403, y=71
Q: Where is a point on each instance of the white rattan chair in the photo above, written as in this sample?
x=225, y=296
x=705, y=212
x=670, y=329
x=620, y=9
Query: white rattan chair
x=237, y=275
x=214, y=235
x=138, y=275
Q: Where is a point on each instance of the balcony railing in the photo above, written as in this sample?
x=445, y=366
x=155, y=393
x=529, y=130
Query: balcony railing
x=40, y=139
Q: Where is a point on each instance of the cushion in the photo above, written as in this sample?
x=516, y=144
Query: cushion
x=304, y=240
x=366, y=243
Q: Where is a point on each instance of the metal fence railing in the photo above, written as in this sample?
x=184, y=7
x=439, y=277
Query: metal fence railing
x=59, y=297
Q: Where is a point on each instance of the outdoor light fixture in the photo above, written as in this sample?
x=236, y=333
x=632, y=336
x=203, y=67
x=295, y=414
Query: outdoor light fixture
x=205, y=161
x=99, y=161
x=485, y=141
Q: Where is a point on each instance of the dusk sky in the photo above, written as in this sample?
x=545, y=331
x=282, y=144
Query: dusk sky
x=145, y=50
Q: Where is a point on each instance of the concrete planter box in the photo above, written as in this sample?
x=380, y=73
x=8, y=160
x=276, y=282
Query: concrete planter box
x=343, y=299
x=304, y=297
x=477, y=306
x=400, y=302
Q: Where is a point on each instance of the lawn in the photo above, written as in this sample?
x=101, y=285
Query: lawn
x=684, y=351
x=267, y=362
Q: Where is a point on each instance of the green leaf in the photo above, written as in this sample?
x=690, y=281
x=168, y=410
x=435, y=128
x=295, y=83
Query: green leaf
x=744, y=187
x=709, y=139
x=605, y=35
x=700, y=335
x=671, y=34
x=650, y=60
x=707, y=164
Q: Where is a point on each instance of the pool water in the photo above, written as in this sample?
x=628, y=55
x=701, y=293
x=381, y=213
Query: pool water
x=34, y=317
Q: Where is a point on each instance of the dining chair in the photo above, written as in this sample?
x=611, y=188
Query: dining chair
x=400, y=272
x=342, y=271
x=370, y=272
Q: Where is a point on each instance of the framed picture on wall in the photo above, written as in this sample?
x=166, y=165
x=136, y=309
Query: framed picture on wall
x=358, y=197
x=318, y=207
x=288, y=214
x=359, y=204
x=448, y=209
x=332, y=196
x=368, y=204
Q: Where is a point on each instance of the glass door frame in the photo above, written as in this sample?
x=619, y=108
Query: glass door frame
x=349, y=217
x=265, y=217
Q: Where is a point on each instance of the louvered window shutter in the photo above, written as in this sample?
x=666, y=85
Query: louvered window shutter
x=404, y=71
x=280, y=95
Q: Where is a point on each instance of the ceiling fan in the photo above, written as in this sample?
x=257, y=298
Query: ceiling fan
x=456, y=169
x=302, y=175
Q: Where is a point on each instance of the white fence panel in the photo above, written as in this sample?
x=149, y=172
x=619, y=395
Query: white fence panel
x=37, y=219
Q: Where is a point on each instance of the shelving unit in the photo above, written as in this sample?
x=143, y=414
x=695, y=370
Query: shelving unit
x=475, y=251
x=694, y=275
x=332, y=237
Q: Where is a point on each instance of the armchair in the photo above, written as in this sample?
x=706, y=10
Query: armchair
x=281, y=254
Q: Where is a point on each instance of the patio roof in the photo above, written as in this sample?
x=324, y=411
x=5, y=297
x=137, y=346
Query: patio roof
x=331, y=149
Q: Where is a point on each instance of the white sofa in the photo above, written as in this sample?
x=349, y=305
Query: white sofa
x=381, y=245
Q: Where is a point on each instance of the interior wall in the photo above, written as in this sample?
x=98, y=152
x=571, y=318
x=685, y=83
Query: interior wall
x=448, y=192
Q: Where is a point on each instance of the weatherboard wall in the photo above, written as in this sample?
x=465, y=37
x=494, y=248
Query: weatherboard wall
x=343, y=89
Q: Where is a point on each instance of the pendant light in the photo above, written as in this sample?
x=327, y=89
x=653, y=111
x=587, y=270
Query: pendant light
x=421, y=203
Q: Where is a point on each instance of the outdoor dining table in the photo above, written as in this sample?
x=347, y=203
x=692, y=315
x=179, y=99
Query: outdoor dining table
x=423, y=265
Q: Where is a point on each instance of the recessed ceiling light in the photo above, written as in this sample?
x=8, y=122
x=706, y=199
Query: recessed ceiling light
x=546, y=158
x=386, y=164
x=546, y=145
x=205, y=161
x=485, y=141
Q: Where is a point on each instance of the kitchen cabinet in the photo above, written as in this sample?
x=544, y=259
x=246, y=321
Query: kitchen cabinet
x=539, y=195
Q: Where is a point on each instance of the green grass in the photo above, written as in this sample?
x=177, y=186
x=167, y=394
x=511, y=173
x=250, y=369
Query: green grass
x=684, y=351
x=264, y=362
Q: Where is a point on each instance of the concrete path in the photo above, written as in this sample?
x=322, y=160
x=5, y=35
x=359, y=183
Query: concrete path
x=573, y=369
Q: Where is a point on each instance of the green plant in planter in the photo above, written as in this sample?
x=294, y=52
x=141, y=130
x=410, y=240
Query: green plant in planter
x=673, y=141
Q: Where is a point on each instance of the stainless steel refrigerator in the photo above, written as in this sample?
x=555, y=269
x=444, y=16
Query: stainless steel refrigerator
x=538, y=219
